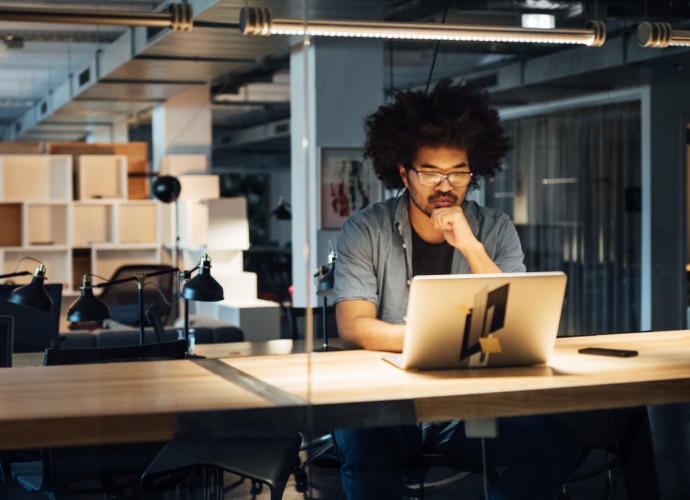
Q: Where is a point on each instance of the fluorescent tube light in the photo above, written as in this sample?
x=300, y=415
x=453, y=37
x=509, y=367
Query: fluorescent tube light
x=258, y=21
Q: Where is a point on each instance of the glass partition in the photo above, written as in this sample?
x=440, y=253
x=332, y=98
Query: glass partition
x=575, y=176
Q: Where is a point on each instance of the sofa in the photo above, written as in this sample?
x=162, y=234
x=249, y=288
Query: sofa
x=206, y=331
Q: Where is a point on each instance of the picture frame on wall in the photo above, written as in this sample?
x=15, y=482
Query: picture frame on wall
x=347, y=185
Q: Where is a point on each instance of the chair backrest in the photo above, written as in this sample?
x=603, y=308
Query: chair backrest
x=123, y=299
x=6, y=337
x=296, y=316
x=174, y=349
x=34, y=330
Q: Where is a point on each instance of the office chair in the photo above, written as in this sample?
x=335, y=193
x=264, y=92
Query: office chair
x=264, y=460
x=615, y=441
x=159, y=294
x=432, y=474
x=111, y=469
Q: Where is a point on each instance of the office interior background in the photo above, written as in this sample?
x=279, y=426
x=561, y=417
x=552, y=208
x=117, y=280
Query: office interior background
x=596, y=183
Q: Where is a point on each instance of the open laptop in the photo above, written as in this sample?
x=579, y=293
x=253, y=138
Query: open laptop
x=481, y=320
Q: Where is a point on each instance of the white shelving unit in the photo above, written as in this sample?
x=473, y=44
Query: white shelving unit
x=35, y=197
x=102, y=229
x=219, y=227
x=95, y=233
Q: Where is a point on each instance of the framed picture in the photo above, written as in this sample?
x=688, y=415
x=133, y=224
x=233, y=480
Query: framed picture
x=348, y=184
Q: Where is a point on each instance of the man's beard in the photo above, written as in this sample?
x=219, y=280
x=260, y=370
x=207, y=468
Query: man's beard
x=451, y=197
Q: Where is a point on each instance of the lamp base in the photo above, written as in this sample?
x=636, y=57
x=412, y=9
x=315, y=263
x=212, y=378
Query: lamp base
x=194, y=356
x=327, y=348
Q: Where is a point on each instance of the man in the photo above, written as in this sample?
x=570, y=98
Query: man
x=433, y=147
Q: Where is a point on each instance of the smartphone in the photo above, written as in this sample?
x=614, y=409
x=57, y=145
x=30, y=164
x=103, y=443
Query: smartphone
x=603, y=351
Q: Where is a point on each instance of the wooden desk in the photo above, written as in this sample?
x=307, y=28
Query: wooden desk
x=221, y=350
x=151, y=400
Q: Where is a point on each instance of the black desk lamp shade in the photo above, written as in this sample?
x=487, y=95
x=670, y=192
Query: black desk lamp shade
x=87, y=307
x=33, y=295
x=282, y=210
x=203, y=287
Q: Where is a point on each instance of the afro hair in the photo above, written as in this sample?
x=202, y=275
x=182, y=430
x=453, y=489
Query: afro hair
x=451, y=115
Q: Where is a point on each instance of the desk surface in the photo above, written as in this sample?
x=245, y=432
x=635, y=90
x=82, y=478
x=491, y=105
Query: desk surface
x=147, y=401
x=570, y=382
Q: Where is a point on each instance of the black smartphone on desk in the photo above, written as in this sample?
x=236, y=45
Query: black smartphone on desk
x=604, y=351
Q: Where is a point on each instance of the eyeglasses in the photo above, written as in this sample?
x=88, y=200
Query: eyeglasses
x=433, y=179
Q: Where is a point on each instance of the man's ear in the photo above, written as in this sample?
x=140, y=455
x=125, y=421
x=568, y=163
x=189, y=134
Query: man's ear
x=403, y=174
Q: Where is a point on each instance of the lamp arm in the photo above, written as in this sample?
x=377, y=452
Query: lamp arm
x=160, y=292
x=137, y=277
x=12, y=275
x=15, y=273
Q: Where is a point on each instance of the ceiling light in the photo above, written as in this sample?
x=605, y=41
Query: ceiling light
x=539, y=21
x=258, y=21
x=661, y=35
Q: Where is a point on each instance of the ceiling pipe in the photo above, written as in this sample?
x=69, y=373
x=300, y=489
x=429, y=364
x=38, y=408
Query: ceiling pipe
x=178, y=17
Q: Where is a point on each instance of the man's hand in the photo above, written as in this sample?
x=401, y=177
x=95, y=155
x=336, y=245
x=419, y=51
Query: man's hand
x=452, y=223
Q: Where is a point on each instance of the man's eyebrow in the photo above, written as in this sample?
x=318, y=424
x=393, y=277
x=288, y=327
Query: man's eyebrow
x=459, y=165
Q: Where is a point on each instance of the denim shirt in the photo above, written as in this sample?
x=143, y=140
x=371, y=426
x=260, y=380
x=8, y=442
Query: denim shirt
x=374, y=253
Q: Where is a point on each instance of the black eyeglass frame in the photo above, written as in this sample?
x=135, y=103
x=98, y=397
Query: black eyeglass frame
x=441, y=177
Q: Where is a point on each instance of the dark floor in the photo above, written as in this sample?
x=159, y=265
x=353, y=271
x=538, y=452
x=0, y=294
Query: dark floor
x=324, y=483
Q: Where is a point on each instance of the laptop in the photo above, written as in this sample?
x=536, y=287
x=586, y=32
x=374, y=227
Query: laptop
x=481, y=320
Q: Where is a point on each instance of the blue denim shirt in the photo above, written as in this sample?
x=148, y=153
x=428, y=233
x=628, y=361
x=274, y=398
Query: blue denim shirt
x=374, y=253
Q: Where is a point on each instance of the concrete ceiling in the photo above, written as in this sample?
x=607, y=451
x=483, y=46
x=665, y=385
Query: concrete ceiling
x=62, y=82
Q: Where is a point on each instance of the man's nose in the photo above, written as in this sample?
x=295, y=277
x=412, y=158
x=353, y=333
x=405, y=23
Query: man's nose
x=444, y=185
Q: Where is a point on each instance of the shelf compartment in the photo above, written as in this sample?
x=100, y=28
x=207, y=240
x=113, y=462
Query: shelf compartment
x=11, y=215
x=92, y=223
x=81, y=265
x=35, y=177
x=46, y=224
x=138, y=222
x=102, y=177
x=106, y=259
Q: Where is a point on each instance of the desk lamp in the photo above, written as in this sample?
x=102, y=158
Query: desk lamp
x=33, y=295
x=203, y=287
x=326, y=279
x=89, y=308
x=282, y=210
x=167, y=188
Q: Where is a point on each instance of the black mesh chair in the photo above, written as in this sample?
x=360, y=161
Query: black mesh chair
x=265, y=460
x=159, y=294
x=108, y=469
